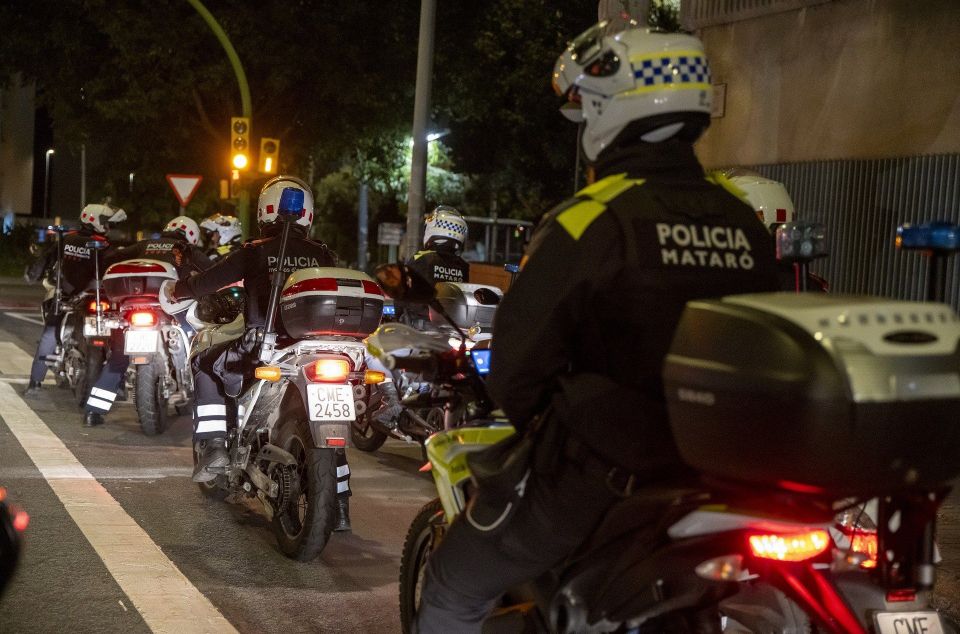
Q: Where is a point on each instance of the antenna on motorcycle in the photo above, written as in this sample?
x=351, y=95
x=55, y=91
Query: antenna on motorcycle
x=800, y=243
x=289, y=211
x=58, y=293
x=96, y=245
x=936, y=241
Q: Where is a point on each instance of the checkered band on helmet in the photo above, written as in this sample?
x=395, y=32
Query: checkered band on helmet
x=445, y=222
x=672, y=70
x=187, y=227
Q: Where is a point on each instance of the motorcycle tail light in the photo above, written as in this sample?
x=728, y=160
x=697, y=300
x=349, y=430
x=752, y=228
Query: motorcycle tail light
x=373, y=377
x=327, y=371
x=143, y=318
x=791, y=547
x=901, y=595
x=92, y=306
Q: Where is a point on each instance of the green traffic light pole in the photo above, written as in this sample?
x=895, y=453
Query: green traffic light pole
x=243, y=201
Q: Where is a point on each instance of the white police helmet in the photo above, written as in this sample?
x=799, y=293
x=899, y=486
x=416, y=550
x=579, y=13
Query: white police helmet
x=657, y=85
x=268, y=205
x=186, y=227
x=99, y=217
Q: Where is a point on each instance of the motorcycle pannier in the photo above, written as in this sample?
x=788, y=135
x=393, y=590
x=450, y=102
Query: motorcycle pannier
x=467, y=304
x=330, y=301
x=136, y=278
x=817, y=393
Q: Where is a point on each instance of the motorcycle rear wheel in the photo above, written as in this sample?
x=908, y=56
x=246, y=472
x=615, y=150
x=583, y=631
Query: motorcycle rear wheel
x=87, y=373
x=151, y=406
x=364, y=436
x=419, y=543
x=304, y=525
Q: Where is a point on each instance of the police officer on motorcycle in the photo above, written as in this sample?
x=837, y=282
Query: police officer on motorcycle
x=222, y=234
x=583, y=331
x=177, y=245
x=79, y=268
x=219, y=371
x=444, y=234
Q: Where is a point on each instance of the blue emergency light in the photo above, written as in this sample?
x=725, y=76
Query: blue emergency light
x=929, y=236
x=389, y=309
x=291, y=202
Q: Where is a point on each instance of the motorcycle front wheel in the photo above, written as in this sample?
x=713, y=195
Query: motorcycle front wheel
x=422, y=538
x=148, y=397
x=307, y=508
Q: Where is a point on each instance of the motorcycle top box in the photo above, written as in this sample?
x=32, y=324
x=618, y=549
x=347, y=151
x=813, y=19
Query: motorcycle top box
x=136, y=278
x=330, y=301
x=467, y=304
x=824, y=394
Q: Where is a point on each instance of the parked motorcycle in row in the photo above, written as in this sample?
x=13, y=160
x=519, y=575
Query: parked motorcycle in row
x=426, y=406
x=791, y=408
x=306, y=390
x=13, y=522
x=158, y=346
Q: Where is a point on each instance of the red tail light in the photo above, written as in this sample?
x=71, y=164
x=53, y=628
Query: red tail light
x=92, y=306
x=336, y=442
x=790, y=546
x=327, y=371
x=20, y=520
x=142, y=318
x=901, y=595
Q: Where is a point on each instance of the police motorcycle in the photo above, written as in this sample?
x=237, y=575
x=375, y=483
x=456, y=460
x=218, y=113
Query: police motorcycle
x=158, y=345
x=306, y=389
x=470, y=309
x=81, y=342
x=790, y=408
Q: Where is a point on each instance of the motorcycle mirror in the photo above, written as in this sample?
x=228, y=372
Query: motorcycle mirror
x=401, y=282
x=486, y=297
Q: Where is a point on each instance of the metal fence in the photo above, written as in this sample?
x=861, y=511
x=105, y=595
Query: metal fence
x=697, y=14
x=861, y=202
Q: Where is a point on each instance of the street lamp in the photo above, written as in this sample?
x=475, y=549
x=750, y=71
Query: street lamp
x=46, y=184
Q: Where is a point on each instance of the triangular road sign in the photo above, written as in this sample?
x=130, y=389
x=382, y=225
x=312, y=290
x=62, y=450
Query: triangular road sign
x=184, y=186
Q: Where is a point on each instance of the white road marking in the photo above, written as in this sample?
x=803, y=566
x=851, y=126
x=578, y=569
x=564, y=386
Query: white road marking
x=161, y=593
x=13, y=360
x=24, y=381
x=30, y=317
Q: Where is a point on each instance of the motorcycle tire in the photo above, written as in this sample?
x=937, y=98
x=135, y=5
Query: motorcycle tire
x=364, y=436
x=303, y=528
x=419, y=543
x=151, y=406
x=88, y=374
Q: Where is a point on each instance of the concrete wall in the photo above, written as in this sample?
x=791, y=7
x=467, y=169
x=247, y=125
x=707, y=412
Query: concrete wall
x=16, y=148
x=845, y=79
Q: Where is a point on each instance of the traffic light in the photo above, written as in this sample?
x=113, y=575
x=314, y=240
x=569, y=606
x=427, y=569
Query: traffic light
x=240, y=143
x=269, y=155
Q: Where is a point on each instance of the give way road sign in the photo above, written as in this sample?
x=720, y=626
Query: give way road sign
x=184, y=186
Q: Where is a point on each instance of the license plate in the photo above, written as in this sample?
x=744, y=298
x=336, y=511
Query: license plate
x=331, y=402
x=140, y=341
x=909, y=623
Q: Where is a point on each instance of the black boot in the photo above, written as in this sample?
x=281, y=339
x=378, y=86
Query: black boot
x=92, y=419
x=343, y=515
x=33, y=390
x=388, y=414
x=213, y=456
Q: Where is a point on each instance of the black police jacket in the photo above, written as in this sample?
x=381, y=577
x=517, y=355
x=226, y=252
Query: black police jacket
x=80, y=262
x=440, y=266
x=169, y=248
x=254, y=263
x=587, y=323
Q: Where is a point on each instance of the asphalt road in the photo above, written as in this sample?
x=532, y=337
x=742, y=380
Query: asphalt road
x=226, y=552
